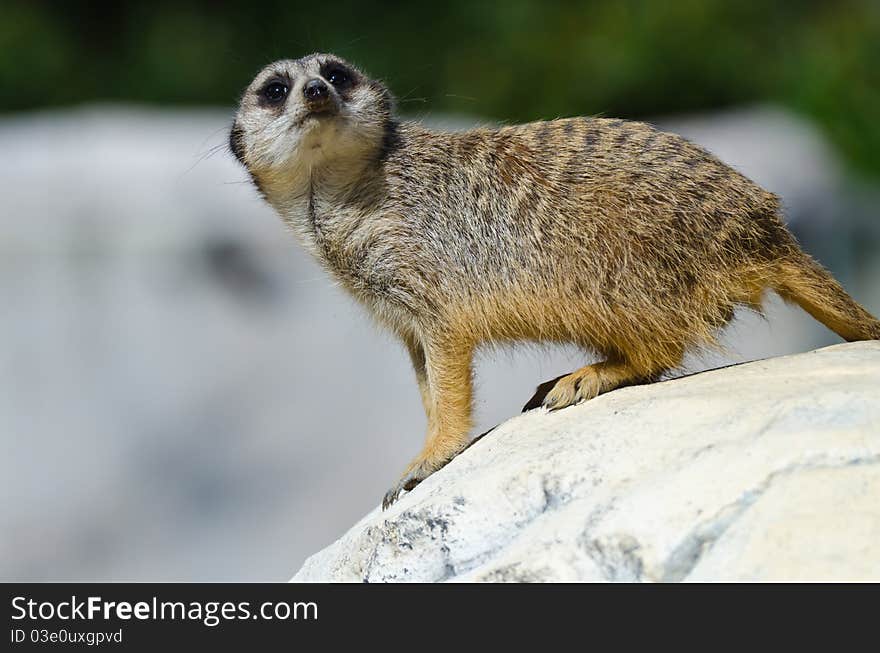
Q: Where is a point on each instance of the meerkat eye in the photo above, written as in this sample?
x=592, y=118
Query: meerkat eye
x=338, y=77
x=275, y=92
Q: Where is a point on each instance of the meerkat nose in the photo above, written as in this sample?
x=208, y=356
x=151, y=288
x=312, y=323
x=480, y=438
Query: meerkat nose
x=316, y=90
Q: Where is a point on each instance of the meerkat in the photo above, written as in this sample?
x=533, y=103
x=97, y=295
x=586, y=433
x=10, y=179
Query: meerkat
x=607, y=234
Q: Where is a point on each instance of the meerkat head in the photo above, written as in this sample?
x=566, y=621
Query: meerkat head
x=299, y=115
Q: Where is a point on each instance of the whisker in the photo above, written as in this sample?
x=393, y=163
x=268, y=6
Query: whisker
x=461, y=97
x=202, y=157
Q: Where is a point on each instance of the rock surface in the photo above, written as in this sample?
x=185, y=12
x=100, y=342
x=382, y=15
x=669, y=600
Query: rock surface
x=764, y=471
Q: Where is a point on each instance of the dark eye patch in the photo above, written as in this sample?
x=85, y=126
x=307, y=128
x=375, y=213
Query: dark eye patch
x=274, y=92
x=338, y=75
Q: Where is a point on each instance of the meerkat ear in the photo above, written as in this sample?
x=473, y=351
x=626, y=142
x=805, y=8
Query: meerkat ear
x=388, y=108
x=236, y=142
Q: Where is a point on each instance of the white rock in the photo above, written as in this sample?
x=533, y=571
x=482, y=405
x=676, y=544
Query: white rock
x=764, y=471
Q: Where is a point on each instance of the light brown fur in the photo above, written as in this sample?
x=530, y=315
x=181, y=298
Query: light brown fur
x=607, y=234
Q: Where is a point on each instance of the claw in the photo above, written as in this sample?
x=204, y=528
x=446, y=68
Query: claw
x=390, y=497
x=407, y=482
x=566, y=390
x=541, y=392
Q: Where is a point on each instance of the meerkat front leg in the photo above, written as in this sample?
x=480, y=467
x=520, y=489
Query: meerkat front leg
x=450, y=393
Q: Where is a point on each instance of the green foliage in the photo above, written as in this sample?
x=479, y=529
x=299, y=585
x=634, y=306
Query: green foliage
x=514, y=60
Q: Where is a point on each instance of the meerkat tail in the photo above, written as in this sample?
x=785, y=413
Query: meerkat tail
x=806, y=283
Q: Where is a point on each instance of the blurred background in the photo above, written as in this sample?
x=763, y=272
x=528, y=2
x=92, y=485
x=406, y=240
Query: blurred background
x=164, y=342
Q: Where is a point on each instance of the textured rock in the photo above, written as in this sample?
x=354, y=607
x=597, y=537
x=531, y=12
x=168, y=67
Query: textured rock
x=764, y=471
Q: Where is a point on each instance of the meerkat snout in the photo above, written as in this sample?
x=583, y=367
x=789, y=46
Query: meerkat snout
x=316, y=92
x=320, y=101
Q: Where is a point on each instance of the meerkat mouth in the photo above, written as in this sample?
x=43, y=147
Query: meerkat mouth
x=320, y=114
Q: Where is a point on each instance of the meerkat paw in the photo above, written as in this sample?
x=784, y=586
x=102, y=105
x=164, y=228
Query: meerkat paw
x=573, y=389
x=586, y=383
x=417, y=472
